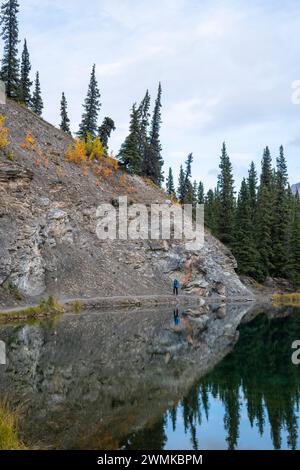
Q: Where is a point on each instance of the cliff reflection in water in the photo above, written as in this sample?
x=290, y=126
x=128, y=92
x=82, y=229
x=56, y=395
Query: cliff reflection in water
x=249, y=401
x=110, y=380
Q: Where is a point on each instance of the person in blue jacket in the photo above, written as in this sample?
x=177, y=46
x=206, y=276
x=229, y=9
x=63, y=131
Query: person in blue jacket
x=176, y=287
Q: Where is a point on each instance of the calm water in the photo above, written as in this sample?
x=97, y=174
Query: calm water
x=249, y=401
x=104, y=381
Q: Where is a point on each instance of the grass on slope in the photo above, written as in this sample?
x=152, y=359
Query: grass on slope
x=9, y=439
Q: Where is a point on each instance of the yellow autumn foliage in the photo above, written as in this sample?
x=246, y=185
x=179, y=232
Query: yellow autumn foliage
x=4, y=142
x=29, y=142
x=92, y=150
x=76, y=152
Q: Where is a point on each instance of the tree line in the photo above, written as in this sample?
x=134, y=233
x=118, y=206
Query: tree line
x=141, y=151
x=260, y=224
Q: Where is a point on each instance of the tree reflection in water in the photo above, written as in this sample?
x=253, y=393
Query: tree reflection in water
x=258, y=375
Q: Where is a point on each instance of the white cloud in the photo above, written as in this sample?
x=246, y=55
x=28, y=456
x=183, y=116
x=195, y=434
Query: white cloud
x=226, y=70
x=190, y=113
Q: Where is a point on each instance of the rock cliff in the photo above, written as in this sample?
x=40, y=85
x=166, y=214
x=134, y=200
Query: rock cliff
x=48, y=242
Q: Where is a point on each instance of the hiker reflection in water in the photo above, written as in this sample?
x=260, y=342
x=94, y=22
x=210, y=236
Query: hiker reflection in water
x=188, y=328
x=176, y=317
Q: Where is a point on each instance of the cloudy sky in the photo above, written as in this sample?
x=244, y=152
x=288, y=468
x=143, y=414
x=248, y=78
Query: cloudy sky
x=226, y=68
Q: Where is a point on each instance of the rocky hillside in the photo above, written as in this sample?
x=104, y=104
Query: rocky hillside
x=48, y=241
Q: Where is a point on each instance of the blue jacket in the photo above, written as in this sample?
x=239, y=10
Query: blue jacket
x=176, y=284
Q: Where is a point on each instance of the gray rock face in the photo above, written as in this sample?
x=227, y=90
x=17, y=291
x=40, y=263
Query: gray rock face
x=48, y=240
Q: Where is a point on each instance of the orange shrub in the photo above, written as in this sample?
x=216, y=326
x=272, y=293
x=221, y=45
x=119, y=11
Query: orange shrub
x=4, y=142
x=29, y=142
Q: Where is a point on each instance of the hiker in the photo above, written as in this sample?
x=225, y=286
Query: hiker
x=176, y=287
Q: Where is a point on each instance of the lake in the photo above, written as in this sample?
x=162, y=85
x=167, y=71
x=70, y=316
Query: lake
x=135, y=380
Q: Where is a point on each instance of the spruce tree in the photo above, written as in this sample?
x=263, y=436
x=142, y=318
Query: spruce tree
x=188, y=186
x=181, y=185
x=200, y=194
x=267, y=177
x=65, y=121
x=264, y=220
x=144, y=116
x=211, y=211
x=105, y=130
x=37, y=105
x=252, y=187
x=91, y=109
x=292, y=268
x=170, y=183
x=243, y=246
x=153, y=162
x=25, y=82
x=129, y=154
x=281, y=216
x=227, y=199
x=265, y=215
x=10, y=35
x=195, y=193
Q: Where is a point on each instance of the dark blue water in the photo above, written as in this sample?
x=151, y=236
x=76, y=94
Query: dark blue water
x=249, y=401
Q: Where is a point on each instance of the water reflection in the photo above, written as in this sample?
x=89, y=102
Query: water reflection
x=109, y=380
x=251, y=400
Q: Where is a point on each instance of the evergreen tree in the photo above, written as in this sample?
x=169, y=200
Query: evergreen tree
x=211, y=211
x=267, y=172
x=227, y=199
x=252, y=187
x=281, y=216
x=105, y=130
x=91, y=109
x=153, y=162
x=170, y=183
x=181, y=185
x=292, y=267
x=10, y=35
x=144, y=116
x=25, y=82
x=200, y=194
x=37, y=105
x=264, y=215
x=129, y=154
x=65, y=121
x=188, y=187
x=244, y=244
x=195, y=193
x=264, y=219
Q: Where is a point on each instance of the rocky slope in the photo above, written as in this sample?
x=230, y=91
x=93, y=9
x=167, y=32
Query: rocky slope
x=48, y=241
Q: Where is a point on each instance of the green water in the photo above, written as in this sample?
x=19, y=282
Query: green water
x=249, y=401
x=94, y=381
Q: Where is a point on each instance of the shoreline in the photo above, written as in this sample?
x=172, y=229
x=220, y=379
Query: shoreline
x=76, y=305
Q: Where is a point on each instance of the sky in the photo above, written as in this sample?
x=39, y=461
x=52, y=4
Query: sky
x=226, y=68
